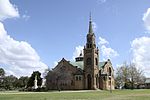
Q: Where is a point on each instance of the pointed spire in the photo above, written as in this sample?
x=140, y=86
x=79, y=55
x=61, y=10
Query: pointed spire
x=90, y=25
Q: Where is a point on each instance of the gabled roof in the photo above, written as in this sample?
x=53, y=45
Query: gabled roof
x=62, y=62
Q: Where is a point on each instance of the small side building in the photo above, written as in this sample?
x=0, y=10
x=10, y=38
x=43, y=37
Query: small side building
x=147, y=83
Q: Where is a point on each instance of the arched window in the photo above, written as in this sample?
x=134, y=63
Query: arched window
x=72, y=83
x=89, y=61
x=80, y=78
x=109, y=71
x=89, y=81
x=76, y=78
x=90, y=45
x=96, y=61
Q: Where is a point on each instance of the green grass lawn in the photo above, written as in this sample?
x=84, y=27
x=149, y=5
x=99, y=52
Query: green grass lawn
x=78, y=95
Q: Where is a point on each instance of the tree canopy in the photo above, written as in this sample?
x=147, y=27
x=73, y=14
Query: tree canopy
x=2, y=72
x=32, y=78
x=129, y=76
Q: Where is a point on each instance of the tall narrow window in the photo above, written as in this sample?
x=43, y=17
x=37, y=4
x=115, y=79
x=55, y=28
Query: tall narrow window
x=96, y=61
x=76, y=78
x=90, y=45
x=72, y=82
x=87, y=45
x=109, y=71
x=80, y=78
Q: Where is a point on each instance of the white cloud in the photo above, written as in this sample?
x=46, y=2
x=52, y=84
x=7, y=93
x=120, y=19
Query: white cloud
x=16, y=57
x=146, y=19
x=55, y=63
x=106, y=52
x=94, y=26
x=77, y=51
x=26, y=17
x=7, y=10
x=102, y=41
x=141, y=53
x=101, y=1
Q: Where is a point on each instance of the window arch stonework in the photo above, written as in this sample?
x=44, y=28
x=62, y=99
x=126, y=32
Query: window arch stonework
x=88, y=61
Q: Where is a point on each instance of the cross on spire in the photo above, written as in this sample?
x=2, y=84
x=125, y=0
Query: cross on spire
x=90, y=16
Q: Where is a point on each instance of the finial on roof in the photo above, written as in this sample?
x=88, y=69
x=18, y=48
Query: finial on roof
x=90, y=16
x=90, y=25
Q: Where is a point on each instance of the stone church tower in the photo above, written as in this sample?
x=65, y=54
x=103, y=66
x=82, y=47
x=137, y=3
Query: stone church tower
x=86, y=72
x=91, y=61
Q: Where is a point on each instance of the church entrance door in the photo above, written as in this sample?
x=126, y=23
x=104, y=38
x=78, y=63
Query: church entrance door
x=89, y=81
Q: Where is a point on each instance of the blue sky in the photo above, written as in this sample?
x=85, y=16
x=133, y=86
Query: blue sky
x=57, y=29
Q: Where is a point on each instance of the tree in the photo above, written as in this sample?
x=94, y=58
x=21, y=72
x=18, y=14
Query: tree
x=10, y=82
x=136, y=76
x=2, y=72
x=23, y=81
x=122, y=76
x=129, y=76
x=32, y=78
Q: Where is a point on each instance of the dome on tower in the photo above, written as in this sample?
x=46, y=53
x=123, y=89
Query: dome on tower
x=80, y=58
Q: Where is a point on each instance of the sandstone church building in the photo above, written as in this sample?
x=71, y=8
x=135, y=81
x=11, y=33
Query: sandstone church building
x=86, y=72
